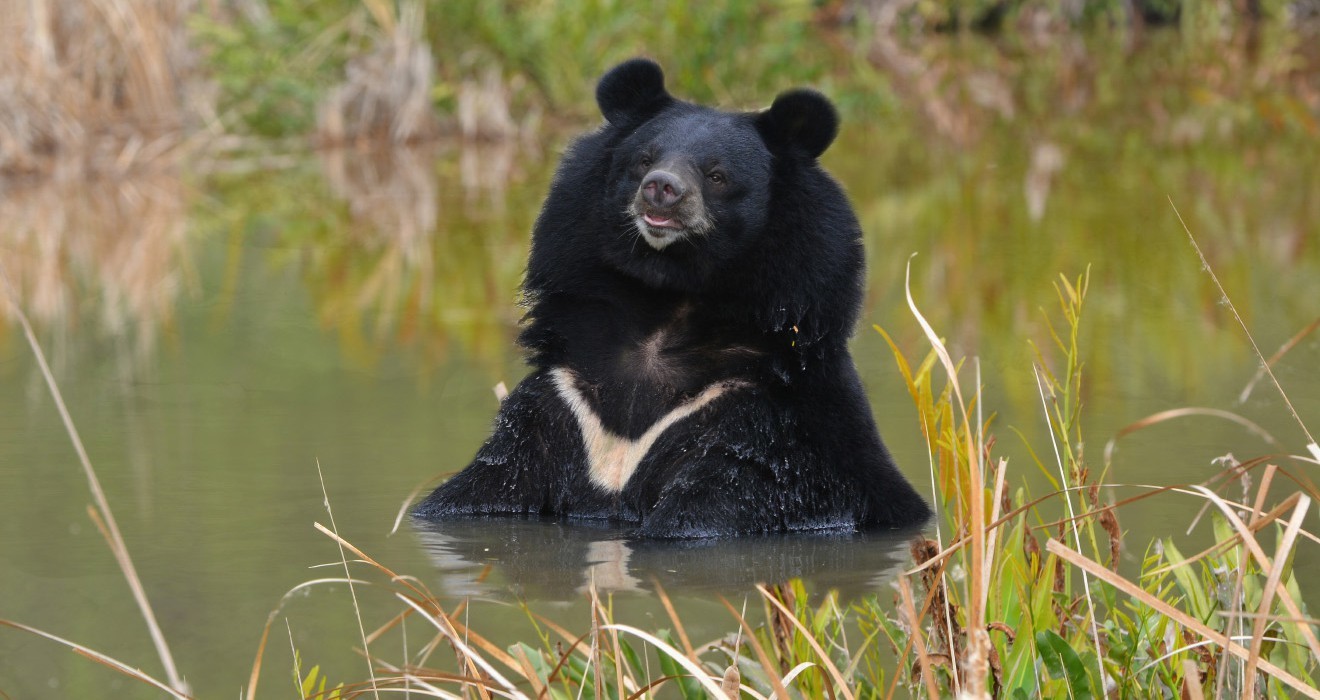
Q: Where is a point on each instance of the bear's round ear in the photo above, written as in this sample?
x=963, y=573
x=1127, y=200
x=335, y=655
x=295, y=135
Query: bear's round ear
x=802, y=119
x=631, y=91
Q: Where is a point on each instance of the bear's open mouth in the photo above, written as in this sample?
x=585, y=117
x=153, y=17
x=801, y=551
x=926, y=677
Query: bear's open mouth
x=660, y=221
x=658, y=230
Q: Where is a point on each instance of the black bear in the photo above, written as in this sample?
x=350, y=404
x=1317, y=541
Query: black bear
x=693, y=281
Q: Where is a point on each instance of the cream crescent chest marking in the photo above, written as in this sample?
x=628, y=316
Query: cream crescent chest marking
x=612, y=458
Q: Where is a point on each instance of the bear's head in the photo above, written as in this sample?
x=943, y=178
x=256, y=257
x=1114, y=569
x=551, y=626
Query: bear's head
x=671, y=200
x=690, y=188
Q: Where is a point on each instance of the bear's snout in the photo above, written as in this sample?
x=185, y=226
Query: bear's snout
x=668, y=206
x=662, y=189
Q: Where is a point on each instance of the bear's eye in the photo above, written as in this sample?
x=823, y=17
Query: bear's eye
x=716, y=177
x=645, y=162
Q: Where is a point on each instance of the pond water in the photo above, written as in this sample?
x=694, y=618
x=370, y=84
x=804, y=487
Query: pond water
x=228, y=336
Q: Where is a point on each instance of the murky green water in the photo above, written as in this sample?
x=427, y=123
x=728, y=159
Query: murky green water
x=220, y=334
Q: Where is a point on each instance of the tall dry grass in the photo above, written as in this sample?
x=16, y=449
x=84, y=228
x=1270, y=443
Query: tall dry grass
x=386, y=92
x=90, y=86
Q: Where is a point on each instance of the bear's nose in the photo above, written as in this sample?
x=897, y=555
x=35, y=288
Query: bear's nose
x=662, y=189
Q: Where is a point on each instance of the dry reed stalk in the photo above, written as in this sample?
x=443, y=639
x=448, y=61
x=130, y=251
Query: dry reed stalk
x=485, y=645
x=1265, y=365
x=1191, y=683
x=596, y=634
x=977, y=647
x=408, y=501
x=622, y=682
x=1262, y=491
x=1001, y=472
x=1171, y=414
x=914, y=624
x=396, y=621
x=1281, y=552
x=352, y=589
x=840, y=682
x=1278, y=354
x=555, y=627
x=698, y=673
x=102, y=659
x=528, y=672
x=447, y=628
x=673, y=617
x=411, y=682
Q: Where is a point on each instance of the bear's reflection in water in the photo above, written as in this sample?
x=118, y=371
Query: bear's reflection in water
x=542, y=560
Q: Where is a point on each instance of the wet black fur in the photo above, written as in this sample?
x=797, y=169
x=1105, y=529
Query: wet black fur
x=768, y=298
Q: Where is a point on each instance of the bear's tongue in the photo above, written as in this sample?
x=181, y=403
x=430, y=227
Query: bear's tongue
x=659, y=221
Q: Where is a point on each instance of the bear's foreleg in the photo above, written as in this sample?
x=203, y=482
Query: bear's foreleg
x=531, y=465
